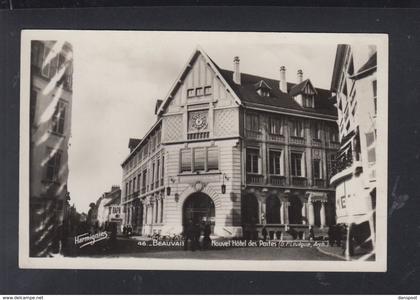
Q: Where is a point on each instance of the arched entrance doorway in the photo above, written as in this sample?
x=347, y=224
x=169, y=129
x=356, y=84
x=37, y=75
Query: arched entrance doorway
x=295, y=210
x=249, y=209
x=198, y=207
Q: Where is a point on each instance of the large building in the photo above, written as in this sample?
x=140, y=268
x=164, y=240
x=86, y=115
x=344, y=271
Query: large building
x=50, y=121
x=237, y=150
x=355, y=84
x=108, y=208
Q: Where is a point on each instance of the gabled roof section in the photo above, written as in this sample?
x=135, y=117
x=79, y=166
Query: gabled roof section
x=300, y=88
x=262, y=85
x=179, y=81
x=324, y=104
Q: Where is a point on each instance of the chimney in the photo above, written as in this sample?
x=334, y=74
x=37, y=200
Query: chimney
x=283, y=83
x=236, y=72
x=299, y=76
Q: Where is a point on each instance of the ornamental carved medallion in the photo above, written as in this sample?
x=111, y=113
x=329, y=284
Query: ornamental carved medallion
x=197, y=120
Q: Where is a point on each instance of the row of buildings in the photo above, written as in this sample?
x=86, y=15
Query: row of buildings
x=243, y=151
x=50, y=129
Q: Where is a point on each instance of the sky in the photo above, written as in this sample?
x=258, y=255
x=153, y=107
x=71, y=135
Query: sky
x=119, y=75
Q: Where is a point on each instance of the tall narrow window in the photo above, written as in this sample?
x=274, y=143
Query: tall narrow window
x=317, y=169
x=199, y=159
x=53, y=166
x=297, y=128
x=252, y=157
x=317, y=131
x=276, y=126
x=163, y=167
x=58, y=118
x=252, y=122
x=276, y=165
x=157, y=172
x=297, y=164
x=333, y=135
x=186, y=160
x=212, y=158
x=138, y=182
x=134, y=184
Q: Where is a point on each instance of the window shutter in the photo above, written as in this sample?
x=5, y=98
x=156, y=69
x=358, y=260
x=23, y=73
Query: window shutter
x=199, y=159
x=186, y=160
x=212, y=158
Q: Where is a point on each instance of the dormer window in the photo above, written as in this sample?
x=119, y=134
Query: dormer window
x=263, y=89
x=308, y=100
x=190, y=93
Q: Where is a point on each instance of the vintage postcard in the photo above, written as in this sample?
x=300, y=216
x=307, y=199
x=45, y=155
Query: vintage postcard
x=203, y=150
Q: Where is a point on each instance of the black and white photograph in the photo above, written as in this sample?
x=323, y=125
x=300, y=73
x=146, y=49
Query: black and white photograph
x=192, y=150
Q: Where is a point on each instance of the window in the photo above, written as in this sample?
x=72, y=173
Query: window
x=186, y=160
x=161, y=210
x=297, y=164
x=203, y=159
x=276, y=126
x=296, y=128
x=33, y=102
x=199, y=159
x=264, y=92
x=58, y=118
x=144, y=182
x=212, y=159
x=317, y=131
x=157, y=172
x=317, y=169
x=308, y=100
x=138, y=182
x=53, y=165
x=134, y=184
x=333, y=135
x=252, y=122
x=207, y=90
x=190, y=93
x=126, y=189
x=163, y=167
x=199, y=92
x=374, y=95
x=252, y=160
x=276, y=162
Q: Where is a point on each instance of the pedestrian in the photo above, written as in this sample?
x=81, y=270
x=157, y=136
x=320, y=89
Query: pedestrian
x=188, y=234
x=264, y=233
x=206, y=236
x=196, y=237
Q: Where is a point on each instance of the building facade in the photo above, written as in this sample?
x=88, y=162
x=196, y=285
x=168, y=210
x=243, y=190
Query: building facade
x=237, y=150
x=355, y=84
x=50, y=123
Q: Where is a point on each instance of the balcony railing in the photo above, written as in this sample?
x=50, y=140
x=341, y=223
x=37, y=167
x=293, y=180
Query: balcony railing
x=343, y=162
x=321, y=183
x=277, y=180
x=255, y=178
x=297, y=140
x=316, y=143
x=299, y=181
x=198, y=135
x=250, y=134
x=276, y=138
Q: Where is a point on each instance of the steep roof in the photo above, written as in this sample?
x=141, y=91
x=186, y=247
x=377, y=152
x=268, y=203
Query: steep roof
x=246, y=91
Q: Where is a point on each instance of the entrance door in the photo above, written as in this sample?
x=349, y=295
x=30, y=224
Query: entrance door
x=199, y=208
